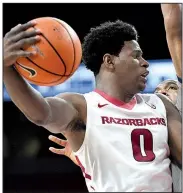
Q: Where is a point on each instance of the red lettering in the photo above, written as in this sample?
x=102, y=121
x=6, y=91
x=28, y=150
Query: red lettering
x=146, y=122
x=112, y=120
x=153, y=121
x=163, y=122
x=132, y=122
x=118, y=121
x=105, y=120
x=135, y=122
x=158, y=121
x=125, y=121
x=139, y=122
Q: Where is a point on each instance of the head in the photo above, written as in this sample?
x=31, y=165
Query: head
x=169, y=88
x=112, y=53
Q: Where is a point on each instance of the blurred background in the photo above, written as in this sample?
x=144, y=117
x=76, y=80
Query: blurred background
x=28, y=166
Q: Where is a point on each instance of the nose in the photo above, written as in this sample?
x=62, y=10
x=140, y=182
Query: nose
x=163, y=91
x=144, y=63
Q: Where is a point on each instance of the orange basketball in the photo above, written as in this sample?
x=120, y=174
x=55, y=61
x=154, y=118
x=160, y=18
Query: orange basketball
x=59, y=54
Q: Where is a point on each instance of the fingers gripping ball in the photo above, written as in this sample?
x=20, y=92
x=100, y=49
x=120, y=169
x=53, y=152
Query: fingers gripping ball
x=58, y=54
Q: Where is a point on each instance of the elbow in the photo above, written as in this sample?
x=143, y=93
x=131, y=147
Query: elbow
x=39, y=120
x=41, y=116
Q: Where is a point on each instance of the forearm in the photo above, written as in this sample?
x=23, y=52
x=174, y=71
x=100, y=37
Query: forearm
x=172, y=14
x=25, y=97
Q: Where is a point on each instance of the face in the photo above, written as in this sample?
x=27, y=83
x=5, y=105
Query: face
x=169, y=88
x=130, y=68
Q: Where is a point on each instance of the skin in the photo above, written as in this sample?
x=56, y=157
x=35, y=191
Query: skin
x=172, y=15
x=169, y=88
x=128, y=66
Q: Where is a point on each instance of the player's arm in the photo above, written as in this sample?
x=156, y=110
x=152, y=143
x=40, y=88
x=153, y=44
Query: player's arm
x=53, y=113
x=174, y=124
x=172, y=14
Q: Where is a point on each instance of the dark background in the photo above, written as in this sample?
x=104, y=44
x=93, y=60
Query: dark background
x=28, y=165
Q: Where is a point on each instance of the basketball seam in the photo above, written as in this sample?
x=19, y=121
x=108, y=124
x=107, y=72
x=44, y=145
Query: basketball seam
x=55, y=52
x=72, y=44
x=45, y=69
x=41, y=82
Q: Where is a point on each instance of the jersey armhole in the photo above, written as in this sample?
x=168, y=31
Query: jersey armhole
x=86, y=131
x=163, y=108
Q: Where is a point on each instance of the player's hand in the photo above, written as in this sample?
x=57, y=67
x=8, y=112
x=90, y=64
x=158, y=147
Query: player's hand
x=67, y=151
x=18, y=39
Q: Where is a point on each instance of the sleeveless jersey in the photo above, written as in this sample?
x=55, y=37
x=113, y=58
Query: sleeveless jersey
x=125, y=148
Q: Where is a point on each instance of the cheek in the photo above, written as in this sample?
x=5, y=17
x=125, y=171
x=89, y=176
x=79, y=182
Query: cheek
x=133, y=64
x=173, y=95
x=128, y=67
x=129, y=63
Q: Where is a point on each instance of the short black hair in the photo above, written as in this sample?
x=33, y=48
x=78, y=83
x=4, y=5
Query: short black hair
x=109, y=38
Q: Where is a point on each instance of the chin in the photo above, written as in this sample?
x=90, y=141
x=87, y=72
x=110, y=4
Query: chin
x=142, y=87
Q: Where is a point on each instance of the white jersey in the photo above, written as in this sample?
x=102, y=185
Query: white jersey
x=176, y=172
x=125, y=147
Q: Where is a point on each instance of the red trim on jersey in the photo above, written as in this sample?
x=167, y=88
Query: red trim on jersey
x=130, y=105
x=83, y=169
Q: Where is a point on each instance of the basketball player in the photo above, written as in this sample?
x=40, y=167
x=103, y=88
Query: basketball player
x=119, y=137
x=170, y=88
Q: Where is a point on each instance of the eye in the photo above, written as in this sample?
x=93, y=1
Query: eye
x=137, y=56
x=173, y=88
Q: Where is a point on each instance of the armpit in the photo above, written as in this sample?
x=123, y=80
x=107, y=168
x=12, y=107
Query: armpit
x=76, y=124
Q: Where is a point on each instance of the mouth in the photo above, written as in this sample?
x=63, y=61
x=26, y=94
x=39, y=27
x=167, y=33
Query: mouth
x=144, y=75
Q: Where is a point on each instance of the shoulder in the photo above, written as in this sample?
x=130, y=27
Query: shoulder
x=170, y=107
x=77, y=100
x=71, y=97
x=148, y=97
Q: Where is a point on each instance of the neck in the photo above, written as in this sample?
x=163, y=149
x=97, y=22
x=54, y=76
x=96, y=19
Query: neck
x=113, y=88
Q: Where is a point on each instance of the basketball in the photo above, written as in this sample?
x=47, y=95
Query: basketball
x=58, y=54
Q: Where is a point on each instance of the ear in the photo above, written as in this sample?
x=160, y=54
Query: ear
x=108, y=61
